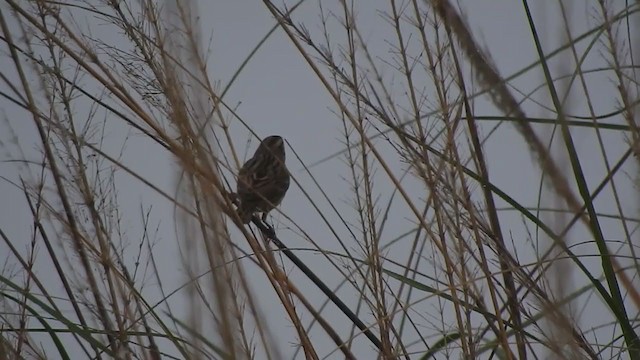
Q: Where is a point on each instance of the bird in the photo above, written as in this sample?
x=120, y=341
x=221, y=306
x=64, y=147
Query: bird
x=263, y=180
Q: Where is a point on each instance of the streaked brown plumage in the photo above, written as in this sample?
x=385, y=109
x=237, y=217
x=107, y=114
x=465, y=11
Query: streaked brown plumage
x=263, y=180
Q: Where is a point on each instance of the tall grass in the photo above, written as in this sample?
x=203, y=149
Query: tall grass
x=441, y=241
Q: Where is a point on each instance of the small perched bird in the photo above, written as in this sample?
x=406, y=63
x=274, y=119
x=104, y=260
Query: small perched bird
x=263, y=180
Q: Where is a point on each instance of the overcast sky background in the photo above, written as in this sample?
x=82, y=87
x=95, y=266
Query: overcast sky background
x=277, y=93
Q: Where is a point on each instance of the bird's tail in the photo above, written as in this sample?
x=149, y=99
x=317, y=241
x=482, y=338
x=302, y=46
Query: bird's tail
x=244, y=214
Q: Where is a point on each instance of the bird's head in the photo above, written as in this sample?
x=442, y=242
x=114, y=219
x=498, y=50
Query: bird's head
x=272, y=145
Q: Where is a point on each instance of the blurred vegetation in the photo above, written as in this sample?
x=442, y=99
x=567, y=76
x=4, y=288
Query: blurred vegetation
x=454, y=283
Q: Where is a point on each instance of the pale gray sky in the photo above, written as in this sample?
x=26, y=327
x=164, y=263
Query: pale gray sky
x=277, y=93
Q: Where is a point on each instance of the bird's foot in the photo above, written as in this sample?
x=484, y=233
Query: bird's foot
x=270, y=231
x=234, y=198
